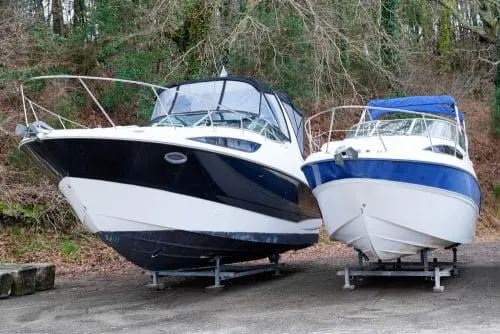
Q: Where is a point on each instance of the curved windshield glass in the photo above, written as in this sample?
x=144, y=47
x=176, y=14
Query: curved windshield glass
x=297, y=121
x=247, y=121
x=436, y=128
x=227, y=101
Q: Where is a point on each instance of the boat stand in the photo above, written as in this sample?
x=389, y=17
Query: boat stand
x=218, y=272
x=431, y=270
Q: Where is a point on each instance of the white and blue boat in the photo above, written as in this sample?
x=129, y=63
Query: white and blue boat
x=401, y=180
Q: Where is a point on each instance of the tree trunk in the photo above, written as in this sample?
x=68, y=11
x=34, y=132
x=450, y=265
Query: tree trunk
x=79, y=18
x=496, y=109
x=57, y=19
x=444, y=39
x=390, y=26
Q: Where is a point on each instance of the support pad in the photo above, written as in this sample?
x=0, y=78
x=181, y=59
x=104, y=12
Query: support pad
x=438, y=289
x=214, y=289
x=154, y=283
x=347, y=277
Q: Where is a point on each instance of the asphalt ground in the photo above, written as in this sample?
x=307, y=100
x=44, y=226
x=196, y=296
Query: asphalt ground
x=306, y=298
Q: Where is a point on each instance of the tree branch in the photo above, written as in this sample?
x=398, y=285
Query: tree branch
x=466, y=25
x=493, y=63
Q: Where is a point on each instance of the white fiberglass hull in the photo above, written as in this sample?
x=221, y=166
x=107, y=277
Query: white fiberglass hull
x=163, y=214
x=387, y=219
x=109, y=206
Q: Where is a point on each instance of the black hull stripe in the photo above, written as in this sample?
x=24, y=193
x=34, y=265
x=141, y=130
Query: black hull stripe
x=175, y=249
x=206, y=175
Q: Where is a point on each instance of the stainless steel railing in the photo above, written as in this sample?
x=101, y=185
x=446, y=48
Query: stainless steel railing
x=317, y=138
x=32, y=109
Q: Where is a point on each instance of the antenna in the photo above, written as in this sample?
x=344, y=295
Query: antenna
x=223, y=73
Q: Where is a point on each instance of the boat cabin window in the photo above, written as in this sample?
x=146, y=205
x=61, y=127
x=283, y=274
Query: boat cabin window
x=228, y=101
x=436, y=128
x=297, y=120
x=391, y=127
x=196, y=96
x=243, y=97
x=440, y=129
x=278, y=113
x=446, y=149
x=364, y=129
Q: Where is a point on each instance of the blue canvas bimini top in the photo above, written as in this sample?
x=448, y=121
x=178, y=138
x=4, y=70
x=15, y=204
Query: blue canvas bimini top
x=444, y=105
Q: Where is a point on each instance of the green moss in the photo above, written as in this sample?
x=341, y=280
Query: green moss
x=35, y=246
x=69, y=250
x=496, y=190
x=445, y=32
x=496, y=103
x=16, y=231
x=29, y=213
x=16, y=252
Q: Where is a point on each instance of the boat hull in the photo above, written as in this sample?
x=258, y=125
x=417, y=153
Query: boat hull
x=176, y=249
x=164, y=216
x=384, y=214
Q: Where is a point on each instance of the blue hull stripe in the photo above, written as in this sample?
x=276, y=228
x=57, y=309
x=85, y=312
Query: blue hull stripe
x=416, y=172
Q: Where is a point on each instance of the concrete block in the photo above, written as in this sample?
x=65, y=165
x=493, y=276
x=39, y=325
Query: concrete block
x=45, y=276
x=6, y=281
x=23, y=277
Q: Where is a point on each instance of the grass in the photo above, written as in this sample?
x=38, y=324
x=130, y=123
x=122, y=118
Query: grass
x=27, y=213
x=496, y=190
x=69, y=250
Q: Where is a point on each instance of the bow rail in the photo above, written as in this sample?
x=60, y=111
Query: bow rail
x=417, y=124
x=33, y=108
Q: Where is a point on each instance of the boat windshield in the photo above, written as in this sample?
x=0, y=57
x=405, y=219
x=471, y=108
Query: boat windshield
x=223, y=102
x=223, y=118
x=436, y=128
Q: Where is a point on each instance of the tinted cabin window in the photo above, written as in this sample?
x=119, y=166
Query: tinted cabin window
x=445, y=149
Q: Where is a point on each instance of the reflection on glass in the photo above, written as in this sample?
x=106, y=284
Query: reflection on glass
x=241, y=105
x=435, y=128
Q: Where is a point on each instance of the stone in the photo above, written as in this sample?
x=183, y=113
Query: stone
x=23, y=278
x=6, y=281
x=45, y=276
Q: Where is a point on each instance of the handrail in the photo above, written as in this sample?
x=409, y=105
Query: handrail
x=96, y=102
x=313, y=137
x=56, y=115
x=429, y=134
x=380, y=137
x=240, y=116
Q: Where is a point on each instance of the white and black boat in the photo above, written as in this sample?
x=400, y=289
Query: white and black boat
x=215, y=173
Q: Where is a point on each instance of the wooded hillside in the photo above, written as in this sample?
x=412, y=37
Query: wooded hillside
x=322, y=53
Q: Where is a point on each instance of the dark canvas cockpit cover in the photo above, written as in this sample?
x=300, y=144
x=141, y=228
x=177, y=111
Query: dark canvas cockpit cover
x=444, y=105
